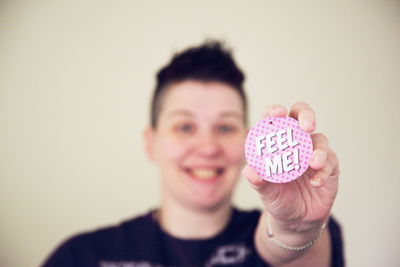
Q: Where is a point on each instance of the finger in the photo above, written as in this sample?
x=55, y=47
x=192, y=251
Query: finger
x=275, y=111
x=335, y=162
x=254, y=179
x=320, y=153
x=319, y=159
x=304, y=114
x=322, y=175
x=330, y=169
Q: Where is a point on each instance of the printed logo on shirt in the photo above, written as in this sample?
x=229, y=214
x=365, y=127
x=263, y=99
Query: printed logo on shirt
x=229, y=255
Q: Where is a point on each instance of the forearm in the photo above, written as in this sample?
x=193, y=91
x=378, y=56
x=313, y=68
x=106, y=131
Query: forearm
x=318, y=254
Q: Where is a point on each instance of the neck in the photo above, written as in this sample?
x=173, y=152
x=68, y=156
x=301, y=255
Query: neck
x=189, y=223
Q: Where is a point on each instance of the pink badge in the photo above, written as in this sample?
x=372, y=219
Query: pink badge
x=278, y=149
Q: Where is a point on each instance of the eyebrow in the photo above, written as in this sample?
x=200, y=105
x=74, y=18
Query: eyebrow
x=182, y=112
x=187, y=113
x=231, y=114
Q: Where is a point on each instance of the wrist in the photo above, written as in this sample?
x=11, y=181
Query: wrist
x=296, y=235
x=296, y=226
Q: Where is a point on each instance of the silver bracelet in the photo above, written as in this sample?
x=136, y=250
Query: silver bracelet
x=300, y=248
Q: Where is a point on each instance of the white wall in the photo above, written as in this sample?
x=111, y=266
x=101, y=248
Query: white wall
x=76, y=78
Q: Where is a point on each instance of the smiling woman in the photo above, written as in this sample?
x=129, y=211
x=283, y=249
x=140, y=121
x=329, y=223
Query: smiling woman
x=196, y=137
x=198, y=144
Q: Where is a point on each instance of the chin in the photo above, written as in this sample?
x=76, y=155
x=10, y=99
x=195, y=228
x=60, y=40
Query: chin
x=208, y=203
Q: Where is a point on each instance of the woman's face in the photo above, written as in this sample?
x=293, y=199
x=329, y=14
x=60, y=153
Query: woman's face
x=199, y=143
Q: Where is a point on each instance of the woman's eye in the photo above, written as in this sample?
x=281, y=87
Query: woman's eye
x=226, y=129
x=185, y=128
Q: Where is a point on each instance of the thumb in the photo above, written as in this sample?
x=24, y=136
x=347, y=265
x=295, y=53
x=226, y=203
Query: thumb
x=254, y=179
x=267, y=191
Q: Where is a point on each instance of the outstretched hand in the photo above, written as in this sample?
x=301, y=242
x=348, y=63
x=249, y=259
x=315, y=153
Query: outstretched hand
x=306, y=201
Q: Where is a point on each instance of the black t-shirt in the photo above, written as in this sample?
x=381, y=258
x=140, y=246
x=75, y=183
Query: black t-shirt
x=141, y=242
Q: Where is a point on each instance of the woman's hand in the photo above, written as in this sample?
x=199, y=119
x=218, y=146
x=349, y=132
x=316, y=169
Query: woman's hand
x=304, y=203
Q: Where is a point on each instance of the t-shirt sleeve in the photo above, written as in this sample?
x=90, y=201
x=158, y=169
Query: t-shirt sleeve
x=61, y=256
x=74, y=252
x=336, y=243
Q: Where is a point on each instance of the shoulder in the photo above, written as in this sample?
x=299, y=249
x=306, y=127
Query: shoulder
x=125, y=232
x=111, y=241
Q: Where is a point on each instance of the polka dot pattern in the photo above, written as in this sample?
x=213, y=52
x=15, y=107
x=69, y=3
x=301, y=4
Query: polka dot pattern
x=274, y=125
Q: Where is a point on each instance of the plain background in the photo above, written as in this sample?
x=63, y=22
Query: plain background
x=75, y=84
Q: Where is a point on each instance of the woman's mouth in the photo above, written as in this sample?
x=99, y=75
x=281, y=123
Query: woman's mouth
x=204, y=174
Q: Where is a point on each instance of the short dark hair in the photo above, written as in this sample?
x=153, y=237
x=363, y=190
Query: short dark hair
x=211, y=61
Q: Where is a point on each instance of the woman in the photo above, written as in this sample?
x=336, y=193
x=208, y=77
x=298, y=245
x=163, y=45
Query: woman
x=196, y=137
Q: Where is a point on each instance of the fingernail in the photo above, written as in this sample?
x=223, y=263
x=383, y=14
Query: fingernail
x=316, y=182
x=305, y=126
x=317, y=159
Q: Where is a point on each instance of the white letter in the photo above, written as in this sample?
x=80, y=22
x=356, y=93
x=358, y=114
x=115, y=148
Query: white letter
x=286, y=162
x=290, y=140
x=259, y=145
x=280, y=140
x=270, y=143
x=275, y=166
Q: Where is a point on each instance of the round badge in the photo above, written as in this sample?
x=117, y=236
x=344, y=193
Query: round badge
x=278, y=149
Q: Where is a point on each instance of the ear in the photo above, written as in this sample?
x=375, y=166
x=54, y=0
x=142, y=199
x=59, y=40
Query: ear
x=148, y=136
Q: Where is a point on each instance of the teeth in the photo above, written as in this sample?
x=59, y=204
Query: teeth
x=204, y=173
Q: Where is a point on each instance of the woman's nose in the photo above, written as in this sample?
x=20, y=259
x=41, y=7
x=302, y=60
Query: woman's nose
x=208, y=146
